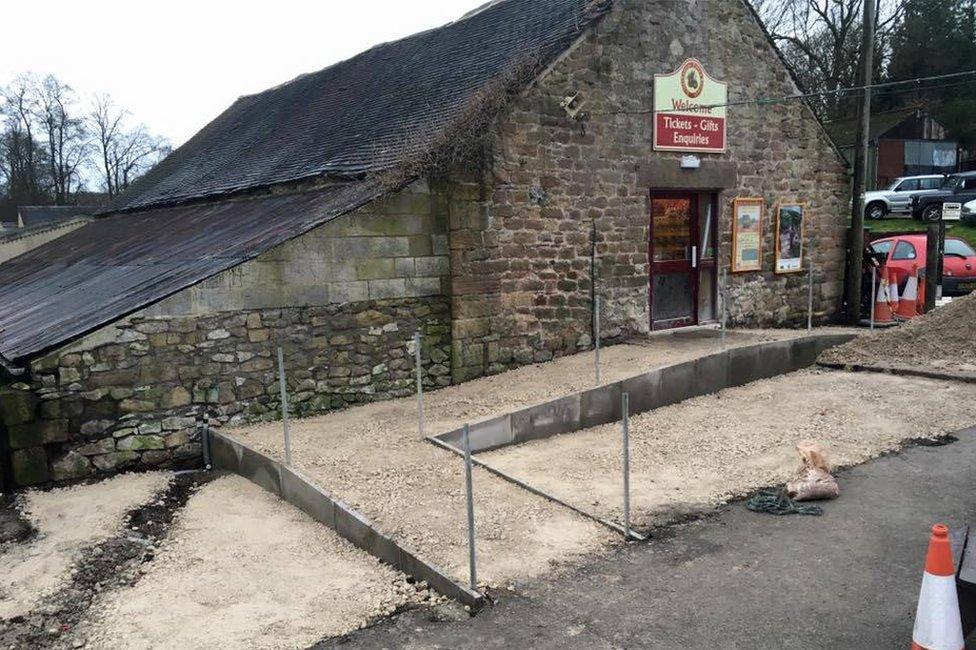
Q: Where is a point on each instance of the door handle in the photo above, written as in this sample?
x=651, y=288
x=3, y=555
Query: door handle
x=694, y=257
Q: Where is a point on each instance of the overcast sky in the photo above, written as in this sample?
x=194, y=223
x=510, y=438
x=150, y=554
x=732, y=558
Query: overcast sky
x=177, y=64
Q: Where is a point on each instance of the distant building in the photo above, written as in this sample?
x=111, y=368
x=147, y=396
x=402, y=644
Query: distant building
x=906, y=142
x=32, y=216
x=36, y=225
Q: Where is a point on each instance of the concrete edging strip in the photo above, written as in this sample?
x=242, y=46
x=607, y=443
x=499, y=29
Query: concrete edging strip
x=904, y=372
x=296, y=489
x=662, y=386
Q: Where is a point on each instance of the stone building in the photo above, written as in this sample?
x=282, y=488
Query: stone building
x=481, y=183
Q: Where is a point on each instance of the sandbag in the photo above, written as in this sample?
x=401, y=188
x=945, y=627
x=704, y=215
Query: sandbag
x=813, y=481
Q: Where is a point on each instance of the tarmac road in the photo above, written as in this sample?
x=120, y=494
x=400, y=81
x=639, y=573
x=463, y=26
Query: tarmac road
x=849, y=579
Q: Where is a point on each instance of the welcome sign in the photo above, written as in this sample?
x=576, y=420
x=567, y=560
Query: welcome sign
x=689, y=110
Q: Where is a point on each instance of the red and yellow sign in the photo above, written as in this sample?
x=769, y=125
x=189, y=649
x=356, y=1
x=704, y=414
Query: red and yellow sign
x=689, y=110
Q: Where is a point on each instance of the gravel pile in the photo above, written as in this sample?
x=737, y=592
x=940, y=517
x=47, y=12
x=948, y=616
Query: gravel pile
x=941, y=341
x=709, y=449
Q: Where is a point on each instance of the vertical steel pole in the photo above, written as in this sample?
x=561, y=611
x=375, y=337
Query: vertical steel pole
x=874, y=296
x=810, y=300
x=284, y=405
x=472, y=568
x=596, y=331
x=722, y=298
x=625, y=422
x=420, y=383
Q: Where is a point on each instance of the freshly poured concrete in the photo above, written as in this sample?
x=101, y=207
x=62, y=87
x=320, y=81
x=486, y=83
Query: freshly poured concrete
x=709, y=449
x=373, y=458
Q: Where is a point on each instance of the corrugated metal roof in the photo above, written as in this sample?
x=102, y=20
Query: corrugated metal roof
x=120, y=263
x=368, y=113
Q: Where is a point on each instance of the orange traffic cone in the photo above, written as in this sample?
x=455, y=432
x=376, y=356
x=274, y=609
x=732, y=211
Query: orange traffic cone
x=908, y=305
x=893, y=291
x=882, y=310
x=937, y=622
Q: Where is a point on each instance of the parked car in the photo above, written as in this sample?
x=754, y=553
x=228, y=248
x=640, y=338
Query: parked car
x=957, y=188
x=902, y=252
x=897, y=197
x=969, y=213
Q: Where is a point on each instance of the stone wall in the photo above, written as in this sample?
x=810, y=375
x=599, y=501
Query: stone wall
x=343, y=301
x=566, y=200
x=136, y=394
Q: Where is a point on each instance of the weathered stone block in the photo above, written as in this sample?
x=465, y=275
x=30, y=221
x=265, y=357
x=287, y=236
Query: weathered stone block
x=30, y=466
x=115, y=460
x=140, y=443
x=70, y=466
x=176, y=397
x=17, y=407
x=40, y=432
x=103, y=446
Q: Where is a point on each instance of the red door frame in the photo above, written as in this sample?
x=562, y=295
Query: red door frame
x=674, y=266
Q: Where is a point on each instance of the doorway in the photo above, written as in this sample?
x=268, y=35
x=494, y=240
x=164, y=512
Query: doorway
x=682, y=253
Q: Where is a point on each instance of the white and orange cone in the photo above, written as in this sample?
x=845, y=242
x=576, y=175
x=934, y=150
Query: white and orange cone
x=938, y=625
x=882, y=310
x=893, y=291
x=908, y=306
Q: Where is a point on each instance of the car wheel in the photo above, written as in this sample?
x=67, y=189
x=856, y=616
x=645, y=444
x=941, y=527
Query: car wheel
x=875, y=211
x=931, y=213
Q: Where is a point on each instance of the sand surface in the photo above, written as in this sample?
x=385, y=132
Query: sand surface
x=372, y=458
x=942, y=341
x=709, y=449
x=243, y=569
x=68, y=520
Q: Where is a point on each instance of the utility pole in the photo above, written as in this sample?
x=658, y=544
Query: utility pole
x=855, y=253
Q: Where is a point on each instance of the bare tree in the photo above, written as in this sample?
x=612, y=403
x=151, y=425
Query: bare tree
x=124, y=152
x=65, y=133
x=821, y=40
x=20, y=154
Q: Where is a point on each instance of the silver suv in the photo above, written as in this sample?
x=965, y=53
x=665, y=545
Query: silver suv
x=897, y=198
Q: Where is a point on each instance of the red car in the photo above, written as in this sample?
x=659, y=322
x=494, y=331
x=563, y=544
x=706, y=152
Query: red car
x=904, y=251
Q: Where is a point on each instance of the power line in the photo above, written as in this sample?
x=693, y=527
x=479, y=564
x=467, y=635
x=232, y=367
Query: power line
x=822, y=93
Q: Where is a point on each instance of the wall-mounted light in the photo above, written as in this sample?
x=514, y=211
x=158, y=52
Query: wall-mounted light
x=690, y=162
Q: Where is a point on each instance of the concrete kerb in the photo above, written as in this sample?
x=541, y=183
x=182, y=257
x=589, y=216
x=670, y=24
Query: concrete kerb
x=298, y=490
x=904, y=372
x=648, y=391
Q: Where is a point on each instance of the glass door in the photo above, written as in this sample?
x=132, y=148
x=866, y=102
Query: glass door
x=674, y=260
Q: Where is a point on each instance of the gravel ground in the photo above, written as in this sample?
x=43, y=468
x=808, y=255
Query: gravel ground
x=709, y=449
x=68, y=521
x=941, y=341
x=372, y=458
x=242, y=569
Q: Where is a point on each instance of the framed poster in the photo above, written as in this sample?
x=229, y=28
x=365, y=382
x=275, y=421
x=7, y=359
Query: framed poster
x=789, y=237
x=747, y=216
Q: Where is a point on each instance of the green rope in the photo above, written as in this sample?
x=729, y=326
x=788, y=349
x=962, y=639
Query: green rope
x=777, y=502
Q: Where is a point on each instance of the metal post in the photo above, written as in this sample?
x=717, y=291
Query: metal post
x=625, y=424
x=810, y=300
x=874, y=295
x=722, y=298
x=472, y=568
x=596, y=340
x=284, y=405
x=420, y=383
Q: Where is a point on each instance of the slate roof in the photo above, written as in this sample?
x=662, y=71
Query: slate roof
x=37, y=215
x=177, y=226
x=117, y=264
x=367, y=113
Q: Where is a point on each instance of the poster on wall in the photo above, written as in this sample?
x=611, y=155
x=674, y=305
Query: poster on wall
x=789, y=237
x=747, y=234
x=689, y=110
